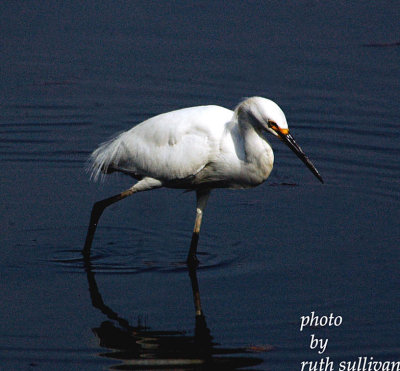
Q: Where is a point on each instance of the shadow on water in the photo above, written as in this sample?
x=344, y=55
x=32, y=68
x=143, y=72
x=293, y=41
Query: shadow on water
x=140, y=348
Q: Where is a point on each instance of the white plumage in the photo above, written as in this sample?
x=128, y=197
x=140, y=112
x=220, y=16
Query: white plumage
x=197, y=148
x=170, y=146
x=194, y=146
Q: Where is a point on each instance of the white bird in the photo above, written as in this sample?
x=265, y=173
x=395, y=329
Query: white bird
x=196, y=148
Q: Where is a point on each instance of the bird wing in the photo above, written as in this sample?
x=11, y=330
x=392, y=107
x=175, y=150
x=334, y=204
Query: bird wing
x=170, y=146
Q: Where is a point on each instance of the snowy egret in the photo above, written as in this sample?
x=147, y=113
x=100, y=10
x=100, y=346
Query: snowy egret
x=196, y=148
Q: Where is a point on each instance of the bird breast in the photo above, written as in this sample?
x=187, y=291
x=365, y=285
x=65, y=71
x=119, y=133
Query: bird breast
x=242, y=161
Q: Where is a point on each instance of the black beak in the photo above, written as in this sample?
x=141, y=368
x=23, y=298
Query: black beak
x=289, y=140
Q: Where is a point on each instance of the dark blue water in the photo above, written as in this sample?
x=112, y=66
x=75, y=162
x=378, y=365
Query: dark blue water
x=74, y=74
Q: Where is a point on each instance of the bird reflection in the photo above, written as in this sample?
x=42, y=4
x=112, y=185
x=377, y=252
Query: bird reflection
x=139, y=347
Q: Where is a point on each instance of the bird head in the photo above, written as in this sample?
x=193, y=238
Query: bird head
x=266, y=115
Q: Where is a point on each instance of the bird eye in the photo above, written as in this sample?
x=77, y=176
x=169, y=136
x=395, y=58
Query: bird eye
x=272, y=125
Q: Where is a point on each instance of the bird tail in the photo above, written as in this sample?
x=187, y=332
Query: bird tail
x=106, y=157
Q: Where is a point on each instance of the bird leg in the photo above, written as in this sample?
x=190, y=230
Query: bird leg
x=195, y=290
x=203, y=337
x=97, y=210
x=202, y=198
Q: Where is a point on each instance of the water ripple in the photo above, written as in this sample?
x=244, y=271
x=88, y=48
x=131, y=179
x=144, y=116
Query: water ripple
x=130, y=251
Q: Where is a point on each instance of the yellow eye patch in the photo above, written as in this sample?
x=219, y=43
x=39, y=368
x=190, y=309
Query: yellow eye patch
x=284, y=131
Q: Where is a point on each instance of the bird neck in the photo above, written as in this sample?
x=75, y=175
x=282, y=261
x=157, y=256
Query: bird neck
x=251, y=134
x=254, y=141
x=258, y=152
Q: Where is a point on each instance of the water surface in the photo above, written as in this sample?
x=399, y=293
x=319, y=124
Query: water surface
x=72, y=75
